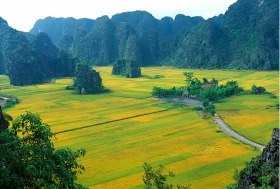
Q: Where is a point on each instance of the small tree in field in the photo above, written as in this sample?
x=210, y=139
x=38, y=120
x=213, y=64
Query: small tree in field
x=189, y=76
x=28, y=158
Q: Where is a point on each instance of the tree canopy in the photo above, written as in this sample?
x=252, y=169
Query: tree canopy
x=28, y=158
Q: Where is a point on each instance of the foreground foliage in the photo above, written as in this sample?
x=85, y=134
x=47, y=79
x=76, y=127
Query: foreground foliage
x=156, y=179
x=28, y=158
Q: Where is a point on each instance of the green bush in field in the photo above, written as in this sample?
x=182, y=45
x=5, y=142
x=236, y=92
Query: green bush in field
x=257, y=89
x=173, y=92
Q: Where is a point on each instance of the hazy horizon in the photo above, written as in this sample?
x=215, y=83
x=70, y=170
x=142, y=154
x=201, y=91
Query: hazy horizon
x=22, y=15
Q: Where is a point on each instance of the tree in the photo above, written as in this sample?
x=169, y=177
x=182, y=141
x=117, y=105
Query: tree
x=87, y=80
x=156, y=179
x=189, y=76
x=210, y=94
x=211, y=109
x=215, y=81
x=258, y=89
x=205, y=103
x=28, y=158
x=205, y=80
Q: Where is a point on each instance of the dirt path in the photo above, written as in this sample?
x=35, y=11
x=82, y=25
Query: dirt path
x=224, y=127
x=218, y=120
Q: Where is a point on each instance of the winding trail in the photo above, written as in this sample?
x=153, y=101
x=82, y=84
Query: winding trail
x=224, y=127
x=218, y=120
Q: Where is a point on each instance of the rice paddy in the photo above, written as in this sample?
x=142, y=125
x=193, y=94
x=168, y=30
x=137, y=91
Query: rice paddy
x=253, y=116
x=123, y=129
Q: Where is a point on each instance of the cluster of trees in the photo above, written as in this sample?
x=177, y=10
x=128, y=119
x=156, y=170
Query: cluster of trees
x=28, y=158
x=173, y=92
x=208, y=107
x=126, y=67
x=213, y=91
x=196, y=88
x=222, y=91
x=257, y=89
x=204, y=90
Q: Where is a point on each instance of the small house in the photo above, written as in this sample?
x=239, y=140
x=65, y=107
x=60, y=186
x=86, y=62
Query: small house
x=186, y=94
x=209, y=85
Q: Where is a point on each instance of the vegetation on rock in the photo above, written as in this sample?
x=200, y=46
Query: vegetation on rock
x=127, y=68
x=29, y=59
x=87, y=80
x=262, y=171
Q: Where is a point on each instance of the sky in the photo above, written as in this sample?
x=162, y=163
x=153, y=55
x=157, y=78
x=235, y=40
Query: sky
x=22, y=14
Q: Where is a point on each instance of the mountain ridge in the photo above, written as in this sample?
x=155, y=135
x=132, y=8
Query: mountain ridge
x=31, y=59
x=245, y=37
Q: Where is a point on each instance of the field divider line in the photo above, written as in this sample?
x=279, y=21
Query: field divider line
x=116, y=120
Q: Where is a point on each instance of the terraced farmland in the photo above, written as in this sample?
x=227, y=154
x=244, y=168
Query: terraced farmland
x=123, y=129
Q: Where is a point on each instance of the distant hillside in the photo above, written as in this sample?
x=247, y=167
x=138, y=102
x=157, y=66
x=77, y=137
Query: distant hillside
x=30, y=59
x=246, y=37
x=57, y=27
x=134, y=35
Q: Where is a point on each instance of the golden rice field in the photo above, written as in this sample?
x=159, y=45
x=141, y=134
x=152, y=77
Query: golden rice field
x=253, y=116
x=123, y=129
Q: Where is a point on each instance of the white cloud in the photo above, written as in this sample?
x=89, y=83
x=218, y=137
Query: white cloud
x=22, y=14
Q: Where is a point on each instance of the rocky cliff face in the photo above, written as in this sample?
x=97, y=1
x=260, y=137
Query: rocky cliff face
x=129, y=35
x=263, y=170
x=246, y=37
x=3, y=123
x=30, y=59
